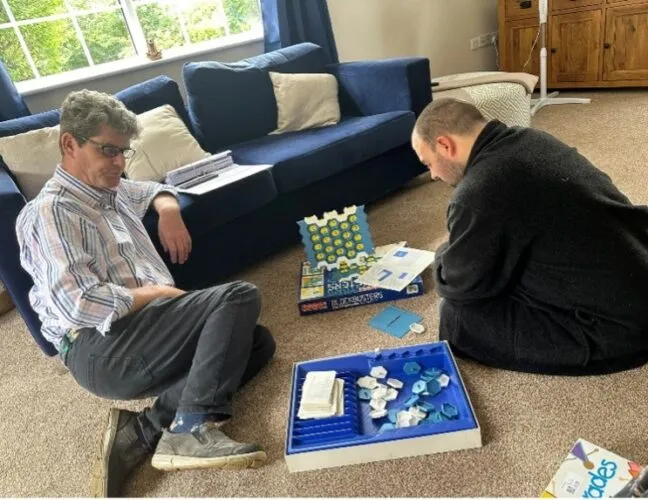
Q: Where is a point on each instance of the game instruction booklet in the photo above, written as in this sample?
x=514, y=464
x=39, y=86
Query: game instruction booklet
x=590, y=471
x=397, y=269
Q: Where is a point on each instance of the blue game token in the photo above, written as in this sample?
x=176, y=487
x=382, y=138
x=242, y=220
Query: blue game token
x=449, y=410
x=411, y=368
x=435, y=417
x=392, y=415
x=428, y=407
x=412, y=400
x=419, y=387
x=433, y=372
x=386, y=427
x=433, y=387
x=364, y=394
x=427, y=378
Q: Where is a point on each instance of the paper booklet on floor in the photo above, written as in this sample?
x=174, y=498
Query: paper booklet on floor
x=397, y=269
x=590, y=471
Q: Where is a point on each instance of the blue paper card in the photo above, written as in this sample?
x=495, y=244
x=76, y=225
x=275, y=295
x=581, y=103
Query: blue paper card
x=394, y=321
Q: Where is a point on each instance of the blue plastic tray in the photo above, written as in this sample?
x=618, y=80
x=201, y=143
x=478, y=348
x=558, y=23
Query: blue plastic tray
x=356, y=427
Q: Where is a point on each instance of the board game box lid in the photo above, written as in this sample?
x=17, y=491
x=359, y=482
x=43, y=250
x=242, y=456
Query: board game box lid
x=590, y=471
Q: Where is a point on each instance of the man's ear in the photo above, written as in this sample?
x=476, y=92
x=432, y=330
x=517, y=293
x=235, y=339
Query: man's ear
x=68, y=144
x=446, y=146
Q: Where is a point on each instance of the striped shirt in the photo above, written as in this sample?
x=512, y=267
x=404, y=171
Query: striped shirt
x=85, y=248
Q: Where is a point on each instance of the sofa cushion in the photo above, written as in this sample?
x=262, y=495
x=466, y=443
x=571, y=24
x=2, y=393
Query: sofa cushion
x=305, y=100
x=214, y=208
x=164, y=144
x=302, y=158
x=31, y=157
x=234, y=102
x=229, y=103
x=298, y=58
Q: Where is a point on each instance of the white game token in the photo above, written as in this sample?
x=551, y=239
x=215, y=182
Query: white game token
x=395, y=383
x=417, y=412
x=443, y=380
x=378, y=413
x=392, y=394
x=367, y=382
x=378, y=372
x=379, y=393
x=378, y=404
x=417, y=328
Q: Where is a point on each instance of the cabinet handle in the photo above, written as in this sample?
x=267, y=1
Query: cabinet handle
x=554, y=50
x=607, y=45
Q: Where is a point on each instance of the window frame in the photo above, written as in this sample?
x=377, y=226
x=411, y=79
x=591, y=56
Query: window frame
x=137, y=38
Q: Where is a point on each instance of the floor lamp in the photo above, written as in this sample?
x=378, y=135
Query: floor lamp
x=544, y=99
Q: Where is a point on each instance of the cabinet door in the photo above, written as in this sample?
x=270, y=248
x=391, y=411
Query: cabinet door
x=575, y=47
x=520, y=37
x=625, y=55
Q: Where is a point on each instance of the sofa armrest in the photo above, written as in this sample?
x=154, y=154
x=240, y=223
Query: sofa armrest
x=373, y=87
x=15, y=278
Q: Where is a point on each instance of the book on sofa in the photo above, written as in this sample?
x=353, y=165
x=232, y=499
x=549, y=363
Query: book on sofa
x=210, y=173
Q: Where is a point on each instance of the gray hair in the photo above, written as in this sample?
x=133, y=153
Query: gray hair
x=84, y=112
x=447, y=116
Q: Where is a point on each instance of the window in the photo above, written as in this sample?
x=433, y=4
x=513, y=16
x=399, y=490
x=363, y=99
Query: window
x=39, y=38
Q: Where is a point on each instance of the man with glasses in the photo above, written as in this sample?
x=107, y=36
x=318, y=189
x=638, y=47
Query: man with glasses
x=107, y=301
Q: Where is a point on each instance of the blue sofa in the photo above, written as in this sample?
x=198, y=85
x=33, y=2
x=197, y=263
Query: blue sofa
x=232, y=106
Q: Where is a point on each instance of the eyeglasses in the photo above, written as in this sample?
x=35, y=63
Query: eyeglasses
x=109, y=150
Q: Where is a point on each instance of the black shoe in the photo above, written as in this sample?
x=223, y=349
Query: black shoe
x=122, y=450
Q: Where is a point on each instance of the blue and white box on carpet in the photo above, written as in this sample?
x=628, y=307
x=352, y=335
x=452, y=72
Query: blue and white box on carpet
x=325, y=291
x=392, y=404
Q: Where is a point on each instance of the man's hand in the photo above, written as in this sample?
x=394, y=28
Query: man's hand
x=173, y=233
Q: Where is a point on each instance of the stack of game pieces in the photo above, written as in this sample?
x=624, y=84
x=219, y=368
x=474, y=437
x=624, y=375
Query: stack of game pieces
x=322, y=395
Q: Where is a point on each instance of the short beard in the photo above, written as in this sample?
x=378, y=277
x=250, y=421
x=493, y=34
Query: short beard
x=454, y=168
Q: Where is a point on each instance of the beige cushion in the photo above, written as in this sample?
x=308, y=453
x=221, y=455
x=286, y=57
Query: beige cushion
x=32, y=158
x=164, y=144
x=305, y=101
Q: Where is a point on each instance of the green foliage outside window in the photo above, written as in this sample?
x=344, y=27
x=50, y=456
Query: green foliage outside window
x=56, y=48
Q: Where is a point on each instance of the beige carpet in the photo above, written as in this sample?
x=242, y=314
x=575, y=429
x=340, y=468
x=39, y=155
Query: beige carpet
x=50, y=428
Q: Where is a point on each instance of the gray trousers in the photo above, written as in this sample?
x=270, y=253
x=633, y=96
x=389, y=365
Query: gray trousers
x=193, y=352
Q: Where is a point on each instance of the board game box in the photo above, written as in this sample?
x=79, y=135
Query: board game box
x=590, y=471
x=429, y=411
x=322, y=291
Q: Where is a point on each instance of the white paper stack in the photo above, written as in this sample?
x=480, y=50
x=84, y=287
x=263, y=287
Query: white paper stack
x=322, y=395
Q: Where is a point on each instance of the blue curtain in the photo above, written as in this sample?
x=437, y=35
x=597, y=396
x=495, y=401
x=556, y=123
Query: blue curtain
x=288, y=22
x=12, y=104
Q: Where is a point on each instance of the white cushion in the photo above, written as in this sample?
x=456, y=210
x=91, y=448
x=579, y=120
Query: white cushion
x=32, y=158
x=164, y=144
x=305, y=101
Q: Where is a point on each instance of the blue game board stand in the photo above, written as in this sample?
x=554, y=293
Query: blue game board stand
x=357, y=438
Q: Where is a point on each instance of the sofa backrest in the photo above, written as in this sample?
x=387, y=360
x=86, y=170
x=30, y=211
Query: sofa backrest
x=231, y=103
x=138, y=98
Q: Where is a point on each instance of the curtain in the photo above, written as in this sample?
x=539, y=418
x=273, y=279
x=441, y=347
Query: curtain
x=12, y=105
x=288, y=22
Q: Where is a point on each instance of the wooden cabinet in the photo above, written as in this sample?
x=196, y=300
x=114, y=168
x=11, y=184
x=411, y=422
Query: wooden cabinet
x=575, y=47
x=521, y=34
x=625, y=51
x=590, y=43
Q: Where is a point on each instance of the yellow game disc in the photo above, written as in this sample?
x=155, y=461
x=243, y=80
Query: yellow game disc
x=357, y=237
x=317, y=247
x=312, y=228
x=349, y=244
x=359, y=247
x=326, y=240
x=315, y=237
x=329, y=249
x=355, y=228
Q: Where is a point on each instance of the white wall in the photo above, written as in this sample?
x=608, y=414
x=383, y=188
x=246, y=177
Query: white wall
x=53, y=98
x=437, y=29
